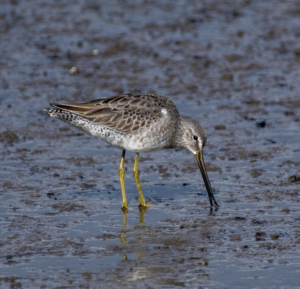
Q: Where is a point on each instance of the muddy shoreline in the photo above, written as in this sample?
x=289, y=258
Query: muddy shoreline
x=231, y=65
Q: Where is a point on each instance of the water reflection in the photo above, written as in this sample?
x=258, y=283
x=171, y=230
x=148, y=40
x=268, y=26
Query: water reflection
x=146, y=272
x=212, y=211
x=139, y=256
x=142, y=211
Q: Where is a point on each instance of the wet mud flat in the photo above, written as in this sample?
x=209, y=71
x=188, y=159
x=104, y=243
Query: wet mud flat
x=232, y=66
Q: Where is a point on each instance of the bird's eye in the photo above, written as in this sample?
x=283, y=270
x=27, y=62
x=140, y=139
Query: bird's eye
x=195, y=137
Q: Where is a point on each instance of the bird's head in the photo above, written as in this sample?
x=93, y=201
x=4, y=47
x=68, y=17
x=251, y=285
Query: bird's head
x=193, y=138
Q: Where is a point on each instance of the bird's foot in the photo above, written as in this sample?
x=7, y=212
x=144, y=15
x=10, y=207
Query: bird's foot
x=144, y=205
x=125, y=208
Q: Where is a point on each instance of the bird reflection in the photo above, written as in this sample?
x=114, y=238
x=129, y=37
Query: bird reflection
x=142, y=211
x=212, y=211
x=139, y=256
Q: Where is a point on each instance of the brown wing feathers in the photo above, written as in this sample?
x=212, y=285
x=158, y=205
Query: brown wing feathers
x=122, y=113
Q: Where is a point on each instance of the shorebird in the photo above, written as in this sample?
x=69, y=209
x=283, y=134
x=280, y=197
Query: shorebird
x=137, y=123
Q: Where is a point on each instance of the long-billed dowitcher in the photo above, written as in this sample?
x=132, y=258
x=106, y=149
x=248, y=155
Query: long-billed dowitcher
x=138, y=123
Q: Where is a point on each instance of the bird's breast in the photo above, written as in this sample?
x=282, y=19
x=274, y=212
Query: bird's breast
x=156, y=137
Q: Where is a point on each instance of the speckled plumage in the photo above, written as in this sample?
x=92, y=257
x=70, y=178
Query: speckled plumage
x=143, y=122
x=138, y=123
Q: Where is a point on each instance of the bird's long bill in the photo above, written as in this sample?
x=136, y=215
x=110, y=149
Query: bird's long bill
x=200, y=161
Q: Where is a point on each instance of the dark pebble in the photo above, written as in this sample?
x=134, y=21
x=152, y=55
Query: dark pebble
x=294, y=178
x=261, y=123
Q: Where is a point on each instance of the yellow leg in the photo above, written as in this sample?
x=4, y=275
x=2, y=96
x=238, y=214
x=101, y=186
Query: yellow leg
x=122, y=175
x=137, y=180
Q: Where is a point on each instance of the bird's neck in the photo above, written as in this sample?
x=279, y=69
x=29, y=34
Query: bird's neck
x=182, y=133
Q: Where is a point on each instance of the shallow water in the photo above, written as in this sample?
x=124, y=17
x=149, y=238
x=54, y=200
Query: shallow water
x=231, y=65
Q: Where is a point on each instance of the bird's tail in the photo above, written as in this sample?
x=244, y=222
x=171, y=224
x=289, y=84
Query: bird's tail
x=59, y=113
x=50, y=111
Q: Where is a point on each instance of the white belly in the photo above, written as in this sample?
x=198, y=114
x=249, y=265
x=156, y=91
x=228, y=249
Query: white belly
x=148, y=139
